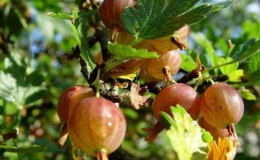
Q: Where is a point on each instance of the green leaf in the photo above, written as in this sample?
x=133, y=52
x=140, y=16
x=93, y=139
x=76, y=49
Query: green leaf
x=17, y=93
x=125, y=52
x=187, y=138
x=23, y=149
x=187, y=63
x=79, y=28
x=202, y=40
x=236, y=76
x=10, y=109
x=17, y=86
x=252, y=69
x=206, y=136
x=7, y=87
x=229, y=68
x=251, y=28
x=249, y=48
x=158, y=18
x=239, y=52
x=34, y=78
x=34, y=93
x=167, y=120
x=46, y=5
x=82, y=25
x=60, y=15
x=74, y=28
x=247, y=94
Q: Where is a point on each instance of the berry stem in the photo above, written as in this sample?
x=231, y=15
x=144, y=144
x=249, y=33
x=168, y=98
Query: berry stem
x=198, y=71
x=135, y=42
x=102, y=155
x=97, y=84
x=153, y=132
x=113, y=34
x=232, y=130
x=168, y=77
x=199, y=81
x=211, y=81
x=63, y=135
x=175, y=40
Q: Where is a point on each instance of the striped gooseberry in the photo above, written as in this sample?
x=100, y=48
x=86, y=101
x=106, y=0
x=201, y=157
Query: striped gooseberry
x=168, y=63
x=97, y=126
x=172, y=95
x=110, y=11
x=222, y=105
x=67, y=102
x=70, y=98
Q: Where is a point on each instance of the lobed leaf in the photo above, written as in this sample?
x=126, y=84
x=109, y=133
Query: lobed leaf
x=125, y=52
x=19, y=87
x=151, y=19
x=81, y=25
x=192, y=140
x=7, y=87
x=229, y=68
x=248, y=49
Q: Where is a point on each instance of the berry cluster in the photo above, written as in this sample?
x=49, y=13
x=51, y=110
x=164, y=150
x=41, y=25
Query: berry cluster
x=97, y=126
x=217, y=111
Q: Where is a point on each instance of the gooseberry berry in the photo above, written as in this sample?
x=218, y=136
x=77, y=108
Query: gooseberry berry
x=169, y=62
x=70, y=98
x=110, y=11
x=172, y=95
x=221, y=105
x=144, y=75
x=67, y=102
x=96, y=126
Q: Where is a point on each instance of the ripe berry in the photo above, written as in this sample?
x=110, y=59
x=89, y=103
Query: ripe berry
x=221, y=105
x=70, y=98
x=67, y=102
x=172, y=95
x=110, y=11
x=158, y=67
x=97, y=125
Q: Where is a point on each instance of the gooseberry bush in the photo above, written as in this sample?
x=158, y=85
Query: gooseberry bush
x=134, y=54
x=143, y=54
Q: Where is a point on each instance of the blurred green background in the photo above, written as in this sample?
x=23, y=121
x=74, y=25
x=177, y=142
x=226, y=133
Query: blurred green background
x=34, y=71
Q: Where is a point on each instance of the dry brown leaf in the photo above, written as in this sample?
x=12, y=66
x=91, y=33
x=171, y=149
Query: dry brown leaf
x=224, y=149
x=136, y=99
x=63, y=135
